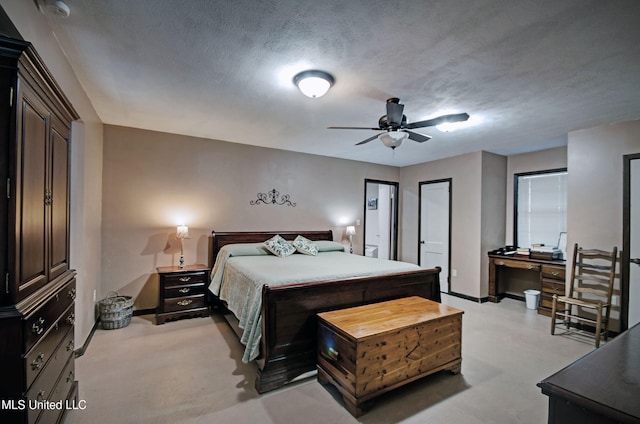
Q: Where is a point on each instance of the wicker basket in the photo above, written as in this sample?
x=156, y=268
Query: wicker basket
x=115, y=311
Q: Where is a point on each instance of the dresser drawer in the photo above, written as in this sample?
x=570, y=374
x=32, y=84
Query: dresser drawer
x=183, y=303
x=58, y=394
x=553, y=272
x=38, y=322
x=43, y=386
x=183, y=279
x=181, y=291
x=37, y=358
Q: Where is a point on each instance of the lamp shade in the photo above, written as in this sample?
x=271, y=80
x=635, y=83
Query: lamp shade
x=182, y=232
x=393, y=139
x=351, y=230
x=313, y=83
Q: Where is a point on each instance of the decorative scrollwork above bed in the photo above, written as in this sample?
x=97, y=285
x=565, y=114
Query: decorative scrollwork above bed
x=275, y=299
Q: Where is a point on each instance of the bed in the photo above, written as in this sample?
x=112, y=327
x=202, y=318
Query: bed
x=283, y=323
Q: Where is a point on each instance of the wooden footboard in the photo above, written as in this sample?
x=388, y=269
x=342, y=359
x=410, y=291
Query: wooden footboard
x=289, y=325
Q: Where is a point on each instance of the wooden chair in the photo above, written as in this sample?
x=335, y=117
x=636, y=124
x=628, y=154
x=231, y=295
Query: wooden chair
x=591, y=286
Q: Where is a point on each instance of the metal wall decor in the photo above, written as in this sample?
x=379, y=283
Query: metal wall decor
x=274, y=198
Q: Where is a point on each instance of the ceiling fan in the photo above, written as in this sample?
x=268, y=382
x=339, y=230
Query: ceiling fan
x=396, y=128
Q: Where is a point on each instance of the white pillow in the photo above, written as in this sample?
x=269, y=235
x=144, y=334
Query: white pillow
x=306, y=246
x=279, y=246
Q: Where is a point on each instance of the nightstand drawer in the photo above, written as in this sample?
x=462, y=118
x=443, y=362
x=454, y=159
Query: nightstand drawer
x=181, y=291
x=183, y=279
x=186, y=302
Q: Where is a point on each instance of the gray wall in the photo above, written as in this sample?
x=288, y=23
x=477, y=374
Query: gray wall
x=594, y=210
x=154, y=181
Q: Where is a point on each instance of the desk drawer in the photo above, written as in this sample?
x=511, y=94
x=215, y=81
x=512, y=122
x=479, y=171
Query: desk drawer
x=512, y=263
x=553, y=272
x=552, y=287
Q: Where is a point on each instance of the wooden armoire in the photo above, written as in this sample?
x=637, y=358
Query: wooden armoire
x=38, y=288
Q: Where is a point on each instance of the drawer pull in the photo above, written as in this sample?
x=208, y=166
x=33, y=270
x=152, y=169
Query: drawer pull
x=500, y=263
x=37, y=363
x=531, y=266
x=38, y=326
x=185, y=302
x=184, y=290
x=72, y=293
x=555, y=273
x=554, y=287
x=71, y=319
x=70, y=346
x=332, y=354
x=185, y=279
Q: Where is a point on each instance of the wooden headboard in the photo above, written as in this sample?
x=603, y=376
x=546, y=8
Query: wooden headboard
x=219, y=239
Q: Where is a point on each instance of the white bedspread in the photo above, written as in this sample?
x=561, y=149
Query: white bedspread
x=240, y=272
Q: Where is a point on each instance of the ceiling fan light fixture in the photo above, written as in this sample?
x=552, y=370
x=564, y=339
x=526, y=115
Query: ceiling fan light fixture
x=393, y=139
x=450, y=126
x=313, y=83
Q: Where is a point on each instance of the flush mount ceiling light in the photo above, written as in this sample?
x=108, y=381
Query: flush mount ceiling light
x=313, y=83
x=393, y=139
x=55, y=8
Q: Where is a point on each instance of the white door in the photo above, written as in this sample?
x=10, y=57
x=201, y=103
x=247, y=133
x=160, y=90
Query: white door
x=634, y=238
x=434, y=228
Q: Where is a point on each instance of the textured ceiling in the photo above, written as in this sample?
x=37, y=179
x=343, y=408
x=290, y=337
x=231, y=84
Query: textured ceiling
x=527, y=72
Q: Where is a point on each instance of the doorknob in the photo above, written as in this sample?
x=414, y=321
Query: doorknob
x=635, y=261
x=421, y=241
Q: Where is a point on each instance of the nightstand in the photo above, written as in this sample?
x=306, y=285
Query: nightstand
x=182, y=292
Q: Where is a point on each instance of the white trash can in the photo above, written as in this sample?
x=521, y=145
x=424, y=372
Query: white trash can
x=532, y=297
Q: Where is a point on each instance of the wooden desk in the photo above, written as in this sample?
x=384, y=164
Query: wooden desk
x=551, y=277
x=601, y=387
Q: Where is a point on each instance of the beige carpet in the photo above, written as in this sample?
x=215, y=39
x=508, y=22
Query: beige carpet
x=190, y=371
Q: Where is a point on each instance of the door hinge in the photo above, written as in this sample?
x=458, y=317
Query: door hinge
x=11, y=97
x=8, y=188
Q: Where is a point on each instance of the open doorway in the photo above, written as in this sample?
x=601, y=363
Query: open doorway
x=381, y=219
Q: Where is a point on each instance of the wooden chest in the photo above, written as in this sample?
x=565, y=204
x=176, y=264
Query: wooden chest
x=368, y=350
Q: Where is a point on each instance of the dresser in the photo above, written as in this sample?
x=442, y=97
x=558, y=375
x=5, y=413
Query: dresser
x=38, y=290
x=603, y=387
x=182, y=292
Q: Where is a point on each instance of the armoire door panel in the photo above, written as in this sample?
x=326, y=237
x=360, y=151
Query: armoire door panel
x=59, y=250
x=33, y=177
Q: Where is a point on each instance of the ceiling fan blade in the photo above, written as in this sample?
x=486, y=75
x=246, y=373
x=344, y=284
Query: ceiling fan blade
x=417, y=137
x=367, y=140
x=394, y=112
x=458, y=117
x=354, y=128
